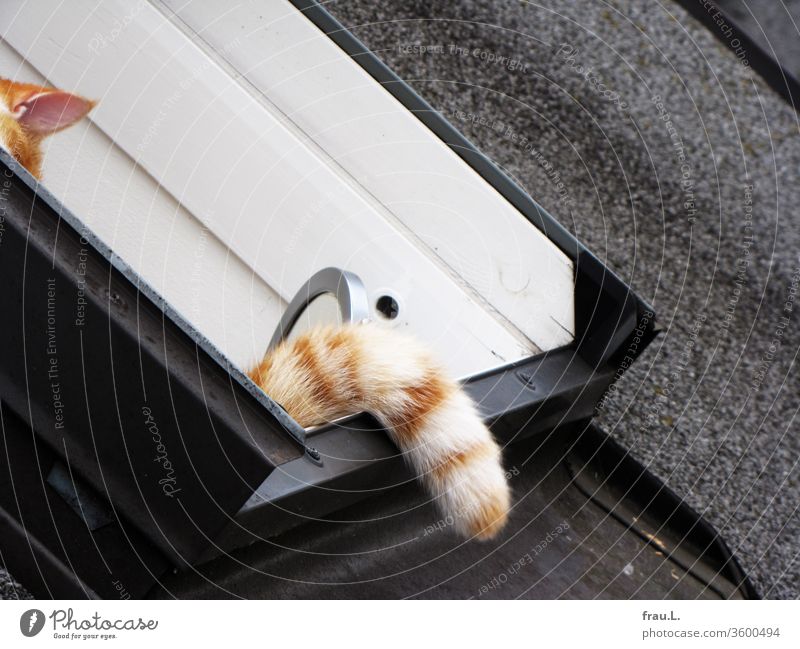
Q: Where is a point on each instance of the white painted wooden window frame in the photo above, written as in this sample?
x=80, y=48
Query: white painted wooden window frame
x=243, y=128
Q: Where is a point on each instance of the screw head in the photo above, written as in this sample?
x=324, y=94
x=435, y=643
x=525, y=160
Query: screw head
x=527, y=378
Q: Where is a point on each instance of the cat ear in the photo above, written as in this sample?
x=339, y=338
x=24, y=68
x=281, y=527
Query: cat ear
x=49, y=111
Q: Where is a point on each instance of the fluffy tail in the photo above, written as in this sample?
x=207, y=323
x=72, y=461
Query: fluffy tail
x=330, y=372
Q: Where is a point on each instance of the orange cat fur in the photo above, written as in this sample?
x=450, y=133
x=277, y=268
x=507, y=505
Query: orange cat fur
x=29, y=113
x=330, y=372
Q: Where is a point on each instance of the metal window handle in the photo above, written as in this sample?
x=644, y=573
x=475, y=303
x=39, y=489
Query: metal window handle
x=346, y=287
x=351, y=297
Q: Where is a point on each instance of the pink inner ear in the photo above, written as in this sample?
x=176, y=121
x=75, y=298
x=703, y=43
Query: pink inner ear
x=50, y=111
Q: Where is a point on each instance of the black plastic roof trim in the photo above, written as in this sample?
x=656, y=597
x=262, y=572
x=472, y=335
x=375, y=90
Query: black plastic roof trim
x=126, y=385
x=747, y=50
x=11, y=166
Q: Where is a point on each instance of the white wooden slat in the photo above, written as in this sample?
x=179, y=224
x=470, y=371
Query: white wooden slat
x=170, y=250
x=263, y=190
x=459, y=217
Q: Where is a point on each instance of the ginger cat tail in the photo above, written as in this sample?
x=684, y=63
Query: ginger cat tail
x=333, y=371
x=29, y=113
